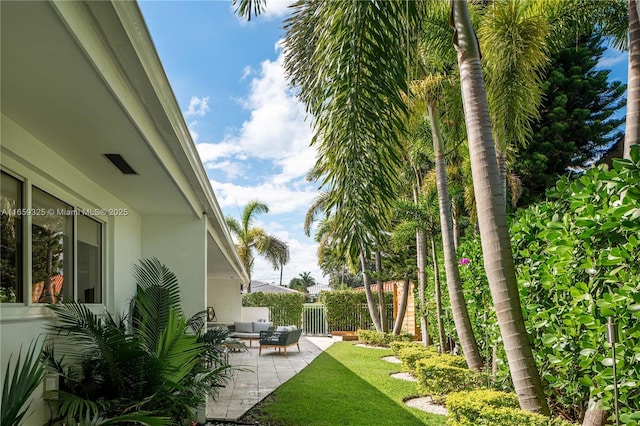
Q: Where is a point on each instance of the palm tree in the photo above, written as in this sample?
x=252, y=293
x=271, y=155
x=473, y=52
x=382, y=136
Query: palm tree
x=632, y=134
x=344, y=58
x=302, y=282
x=251, y=240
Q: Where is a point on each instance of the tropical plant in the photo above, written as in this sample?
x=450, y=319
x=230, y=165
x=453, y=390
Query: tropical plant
x=303, y=282
x=251, y=240
x=154, y=367
x=577, y=122
x=19, y=385
x=632, y=131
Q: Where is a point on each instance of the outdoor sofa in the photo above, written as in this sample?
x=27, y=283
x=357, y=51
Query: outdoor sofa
x=249, y=330
x=280, y=338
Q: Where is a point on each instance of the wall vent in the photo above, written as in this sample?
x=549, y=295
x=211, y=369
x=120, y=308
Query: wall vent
x=120, y=163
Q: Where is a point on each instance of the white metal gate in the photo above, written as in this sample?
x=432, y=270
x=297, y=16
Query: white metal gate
x=314, y=319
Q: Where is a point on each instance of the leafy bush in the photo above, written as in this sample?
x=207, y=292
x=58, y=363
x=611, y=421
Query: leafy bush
x=153, y=368
x=412, y=354
x=578, y=263
x=18, y=386
x=375, y=338
x=397, y=346
x=437, y=376
x=492, y=408
x=347, y=309
x=285, y=308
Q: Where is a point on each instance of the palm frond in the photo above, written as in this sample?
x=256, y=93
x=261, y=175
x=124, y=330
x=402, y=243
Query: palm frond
x=158, y=293
x=25, y=378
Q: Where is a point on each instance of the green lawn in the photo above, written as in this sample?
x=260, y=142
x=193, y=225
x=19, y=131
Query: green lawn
x=346, y=385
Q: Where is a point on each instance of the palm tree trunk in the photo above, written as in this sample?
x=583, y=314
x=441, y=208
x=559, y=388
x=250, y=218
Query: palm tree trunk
x=438, y=296
x=502, y=165
x=381, y=304
x=632, y=131
x=402, y=307
x=421, y=245
x=371, y=304
x=456, y=295
x=456, y=232
x=594, y=415
x=492, y=221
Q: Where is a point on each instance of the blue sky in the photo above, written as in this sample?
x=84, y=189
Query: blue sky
x=250, y=130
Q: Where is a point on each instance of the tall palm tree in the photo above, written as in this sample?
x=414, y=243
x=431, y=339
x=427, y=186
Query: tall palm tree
x=251, y=240
x=346, y=59
x=632, y=133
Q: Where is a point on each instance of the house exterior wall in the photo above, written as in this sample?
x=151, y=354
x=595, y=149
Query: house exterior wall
x=30, y=159
x=180, y=243
x=224, y=296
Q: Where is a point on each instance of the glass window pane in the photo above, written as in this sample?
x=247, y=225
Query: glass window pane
x=10, y=240
x=52, y=249
x=89, y=260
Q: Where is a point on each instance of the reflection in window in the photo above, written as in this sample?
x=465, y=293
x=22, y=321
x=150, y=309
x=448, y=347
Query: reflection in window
x=89, y=258
x=10, y=240
x=52, y=236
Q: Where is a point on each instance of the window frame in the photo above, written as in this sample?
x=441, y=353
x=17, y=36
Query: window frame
x=54, y=191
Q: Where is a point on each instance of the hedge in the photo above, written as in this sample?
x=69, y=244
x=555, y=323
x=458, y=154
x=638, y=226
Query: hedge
x=347, y=309
x=492, y=408
x=412, y=354
x=440, y=375
x=397, y=346
x=375, y=338
x=285, y=308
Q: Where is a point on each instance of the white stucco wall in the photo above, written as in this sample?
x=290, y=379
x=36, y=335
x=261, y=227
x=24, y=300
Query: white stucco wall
x=224, y=296
x=31, y=159
x=180, y=243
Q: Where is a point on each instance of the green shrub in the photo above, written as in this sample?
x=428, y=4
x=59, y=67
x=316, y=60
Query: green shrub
x=492, y=408
x=285, y=308
x=409, y=355
x=375, y=338
x=396, y=346
x=347, y=309
x=437, y=377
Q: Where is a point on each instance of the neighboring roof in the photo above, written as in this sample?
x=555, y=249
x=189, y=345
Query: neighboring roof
x=262, y=287
x=316, y=289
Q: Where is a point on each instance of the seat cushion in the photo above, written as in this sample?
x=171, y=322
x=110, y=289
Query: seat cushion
x=246, y=335
x=244, y=327
x=261, y=326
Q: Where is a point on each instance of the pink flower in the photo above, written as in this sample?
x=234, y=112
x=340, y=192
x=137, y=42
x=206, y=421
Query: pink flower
x=464, y=261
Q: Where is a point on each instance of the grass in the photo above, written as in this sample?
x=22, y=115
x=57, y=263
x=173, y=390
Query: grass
x=345, y=385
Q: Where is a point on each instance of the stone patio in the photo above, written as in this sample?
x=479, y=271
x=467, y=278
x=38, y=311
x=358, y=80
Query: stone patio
x=261, y=375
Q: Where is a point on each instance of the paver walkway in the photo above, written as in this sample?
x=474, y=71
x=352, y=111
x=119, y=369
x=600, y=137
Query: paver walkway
x=261, y=376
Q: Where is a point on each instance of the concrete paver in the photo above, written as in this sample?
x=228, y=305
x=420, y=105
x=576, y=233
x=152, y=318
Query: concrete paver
x=260, y=375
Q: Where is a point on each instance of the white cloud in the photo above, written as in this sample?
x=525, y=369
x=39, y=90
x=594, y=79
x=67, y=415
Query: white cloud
x=303, y=259
x=231, y=168
x=213, y=151
x=197, y=106
x=274, y=9
x=277, y=8
x=276, y=129
x=612, y=58
x=246, y=72
x=280, y=198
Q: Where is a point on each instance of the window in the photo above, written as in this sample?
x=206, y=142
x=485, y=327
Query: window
x=11, y=289
x=66, y=248
x=51, y=249
x=89, y=260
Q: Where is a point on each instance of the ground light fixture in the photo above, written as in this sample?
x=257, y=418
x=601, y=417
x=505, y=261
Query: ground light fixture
x=612, y=337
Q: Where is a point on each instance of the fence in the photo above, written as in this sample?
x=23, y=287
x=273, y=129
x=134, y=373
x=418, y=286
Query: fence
x=314, y=319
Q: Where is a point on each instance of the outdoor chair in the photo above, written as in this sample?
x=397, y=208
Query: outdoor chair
x=281, y=338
